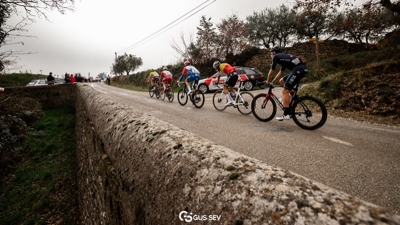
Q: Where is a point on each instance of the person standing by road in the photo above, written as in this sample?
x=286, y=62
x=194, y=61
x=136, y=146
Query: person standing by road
x=50, y=79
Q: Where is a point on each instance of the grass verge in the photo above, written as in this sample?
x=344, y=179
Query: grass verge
x=43, y=188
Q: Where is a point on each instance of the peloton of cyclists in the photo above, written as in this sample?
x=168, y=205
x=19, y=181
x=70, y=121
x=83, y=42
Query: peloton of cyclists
x=230, y=81
x=165, y=78
x=192, y=74
x=298, y=71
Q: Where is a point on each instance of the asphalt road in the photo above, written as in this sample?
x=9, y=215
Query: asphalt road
x=357, y=158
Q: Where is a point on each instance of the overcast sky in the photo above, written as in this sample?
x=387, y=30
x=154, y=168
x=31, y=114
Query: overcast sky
x=85, y=41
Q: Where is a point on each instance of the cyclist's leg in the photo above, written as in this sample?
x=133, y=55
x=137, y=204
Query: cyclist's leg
x=189, y=79
x=226, y=92
x=232, y=82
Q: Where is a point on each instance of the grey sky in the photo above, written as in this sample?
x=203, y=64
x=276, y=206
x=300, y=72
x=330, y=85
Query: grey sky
x=85, y=41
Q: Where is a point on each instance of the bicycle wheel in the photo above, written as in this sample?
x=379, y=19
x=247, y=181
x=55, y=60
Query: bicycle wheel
x=198, y=99
x=244, y=102
x=182, y=97
x=219, y=100
x=151, y=92
x=157, y=92
x=263, y=110
x=162, y=96
x=309, y=113
x=170, y=95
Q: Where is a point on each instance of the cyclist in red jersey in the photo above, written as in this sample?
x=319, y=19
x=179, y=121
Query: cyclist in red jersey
x=230, y=81
x=165, y=78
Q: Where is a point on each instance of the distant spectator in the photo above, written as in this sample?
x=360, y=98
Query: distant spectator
x=72, y=77
x=79, y=78
x=50, y=79
x=67, y=78
x=108, y=80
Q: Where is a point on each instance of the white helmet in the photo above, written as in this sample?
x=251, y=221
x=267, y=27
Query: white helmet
x=165, y=68
x=216, y=65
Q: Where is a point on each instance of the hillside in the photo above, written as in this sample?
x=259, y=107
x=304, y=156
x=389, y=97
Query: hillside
x=364, y=86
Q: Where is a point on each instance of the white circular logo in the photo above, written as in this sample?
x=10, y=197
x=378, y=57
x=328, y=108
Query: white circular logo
x=184, y=216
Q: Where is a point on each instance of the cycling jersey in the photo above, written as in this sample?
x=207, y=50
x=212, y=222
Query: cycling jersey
x=165, y=74
x=286, y=61
x=192, y=72
x=226, y=68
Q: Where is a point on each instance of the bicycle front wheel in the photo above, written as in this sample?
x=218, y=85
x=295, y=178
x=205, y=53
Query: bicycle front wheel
x=309, y=113
x=182, y=97
x=151, y=92
x=264, y=110
x=198, y=99
x=244, y=102
x=219, y=100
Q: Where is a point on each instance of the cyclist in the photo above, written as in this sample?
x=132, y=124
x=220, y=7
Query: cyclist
x=192, y=75
x=165, y=78
x=298, y=71
x=153, y=78
x=230, y=81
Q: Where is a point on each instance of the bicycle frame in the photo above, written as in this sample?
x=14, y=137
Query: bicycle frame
x=271, y=95
x=238, y=95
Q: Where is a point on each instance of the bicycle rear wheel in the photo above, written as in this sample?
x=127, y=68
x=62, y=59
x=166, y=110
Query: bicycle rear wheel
x=182, y=97
x=151, y=92
x=264, y=110
x=219, y=100
x=309, y=113
x=162, y=96
x=170, y=95
x=244, y=102
x=198, y=99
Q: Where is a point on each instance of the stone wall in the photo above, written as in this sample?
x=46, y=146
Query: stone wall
x=47, y=96
x=136, y=169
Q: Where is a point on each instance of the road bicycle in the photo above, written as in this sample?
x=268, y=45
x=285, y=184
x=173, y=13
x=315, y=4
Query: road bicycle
x=196, y=96
x=306, y=111
x=155, y=90
x=168, y=92
x=242, y=100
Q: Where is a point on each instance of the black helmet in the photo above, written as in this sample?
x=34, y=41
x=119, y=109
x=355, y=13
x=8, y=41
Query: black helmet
x=276, y=49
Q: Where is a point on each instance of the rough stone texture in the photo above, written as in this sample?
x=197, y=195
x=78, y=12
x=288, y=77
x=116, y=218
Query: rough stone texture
x=136, y=169
x=47, y=96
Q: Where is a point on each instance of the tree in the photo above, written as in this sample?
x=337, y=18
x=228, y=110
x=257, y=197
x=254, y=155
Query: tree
x=232, y=37
x=392, y=5
x=261, y=28
x=32, y=9
x=206, y=38
x=126, y=63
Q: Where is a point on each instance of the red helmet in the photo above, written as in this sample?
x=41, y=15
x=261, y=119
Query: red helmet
x=186, y=63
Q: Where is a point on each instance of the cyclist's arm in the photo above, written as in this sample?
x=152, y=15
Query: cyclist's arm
x=278, y=76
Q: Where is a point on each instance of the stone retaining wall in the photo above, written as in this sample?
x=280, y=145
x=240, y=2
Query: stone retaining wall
x=136, y=169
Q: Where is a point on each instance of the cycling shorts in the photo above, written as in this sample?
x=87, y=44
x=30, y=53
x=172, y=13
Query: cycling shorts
x=231, y=79
x=194, y=77
x=167, y=80
x=294, y=77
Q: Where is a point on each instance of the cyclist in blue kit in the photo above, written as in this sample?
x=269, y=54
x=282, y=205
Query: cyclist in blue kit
x=192, y=75
x=298, y=71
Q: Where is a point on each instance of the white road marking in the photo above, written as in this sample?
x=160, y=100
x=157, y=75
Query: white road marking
x=338, y=141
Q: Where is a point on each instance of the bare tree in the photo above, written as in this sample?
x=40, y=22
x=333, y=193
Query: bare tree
x=28, y=10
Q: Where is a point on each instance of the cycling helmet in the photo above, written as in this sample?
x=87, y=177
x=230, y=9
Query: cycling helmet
x=276, y=49
x=216, y=65
x=165, y=68
x=186, y=63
